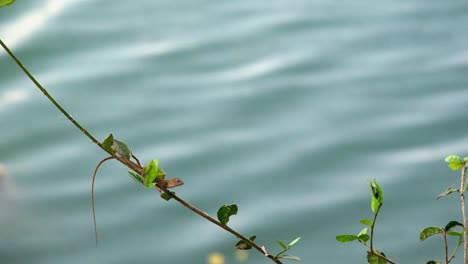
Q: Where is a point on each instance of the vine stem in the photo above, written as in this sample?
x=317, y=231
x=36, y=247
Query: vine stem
x=373, y=227
x=133, y=166
x=444, y=236
x=462, y=200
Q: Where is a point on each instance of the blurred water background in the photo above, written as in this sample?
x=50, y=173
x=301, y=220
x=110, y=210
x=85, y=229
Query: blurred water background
x=283, y=107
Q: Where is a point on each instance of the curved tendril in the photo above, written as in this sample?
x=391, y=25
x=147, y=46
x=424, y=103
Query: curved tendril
x=92, y=195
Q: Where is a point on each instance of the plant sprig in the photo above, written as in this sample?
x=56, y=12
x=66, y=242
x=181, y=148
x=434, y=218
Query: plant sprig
x=150, y=175
x=373, y=256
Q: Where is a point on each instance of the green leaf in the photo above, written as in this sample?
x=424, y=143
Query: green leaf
x=379, y=191
x=374, y=204
x=433, y=262
x=294, y=242
x=166, y=196
x=122, y=149
x=453, y=158
x=377, y=195
x=457, y=234
x=242, y=244
x=363, y=231
x=160, y=174
x=346, y=238
x=366, y=222
x=429, y=231
x=452, y=224
x=225, y=212
x=465, y=159
x=447, y=192
x=290, y=257
x=282, y=244
x=151, y=172
x=108, y=143
x=364, y=238
x=136, y=177
x=454, y=162
x=6, y=3
x=373, y=259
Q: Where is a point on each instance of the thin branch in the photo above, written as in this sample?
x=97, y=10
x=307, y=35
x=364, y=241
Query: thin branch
x=444, y=236
x=456, y=249
x=462, y=200
x=373, y=227
x=44, y=91
x=133, y=166
x=216, y=222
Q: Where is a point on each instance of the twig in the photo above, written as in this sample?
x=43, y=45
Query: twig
x=462, y=200
x=44, y=91
x=133, y=166
x=444, y=236
x=373, y=227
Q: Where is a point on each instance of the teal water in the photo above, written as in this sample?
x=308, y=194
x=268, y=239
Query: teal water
x=285, y=108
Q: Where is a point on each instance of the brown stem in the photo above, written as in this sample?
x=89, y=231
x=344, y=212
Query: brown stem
x=131, y=165
x=462, y=200
x=444, y=236
x=225, y=227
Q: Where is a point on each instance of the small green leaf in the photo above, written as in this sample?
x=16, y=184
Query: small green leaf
x=433, y=262
x=160, y=174
x=242, y=244
x=455, y=166
x=452, y=224
x=6, y=2
x=373, y=259
x=108, y=143
x=429, y=231
x=465, y=159
x=225, y=212
x=136, y=177
x=454, y=162
x=447, y=192
x=379, y=191
x=166, y=196
x=377, y=195
x=457, y=234
x=121, y=149
x=363, y=231
x=366, y=222
x=346, y=238
x=374, y=204
x=364, y=238
x=363, y=235
x=282, y=244
x=453, y=158
x=151, y=172
x=290, y=257
x=294, y=241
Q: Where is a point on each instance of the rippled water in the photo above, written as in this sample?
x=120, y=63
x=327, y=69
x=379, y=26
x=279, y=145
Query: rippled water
x=285, y=108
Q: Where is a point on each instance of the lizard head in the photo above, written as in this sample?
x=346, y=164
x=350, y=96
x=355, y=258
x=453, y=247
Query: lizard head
x=174, y=182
